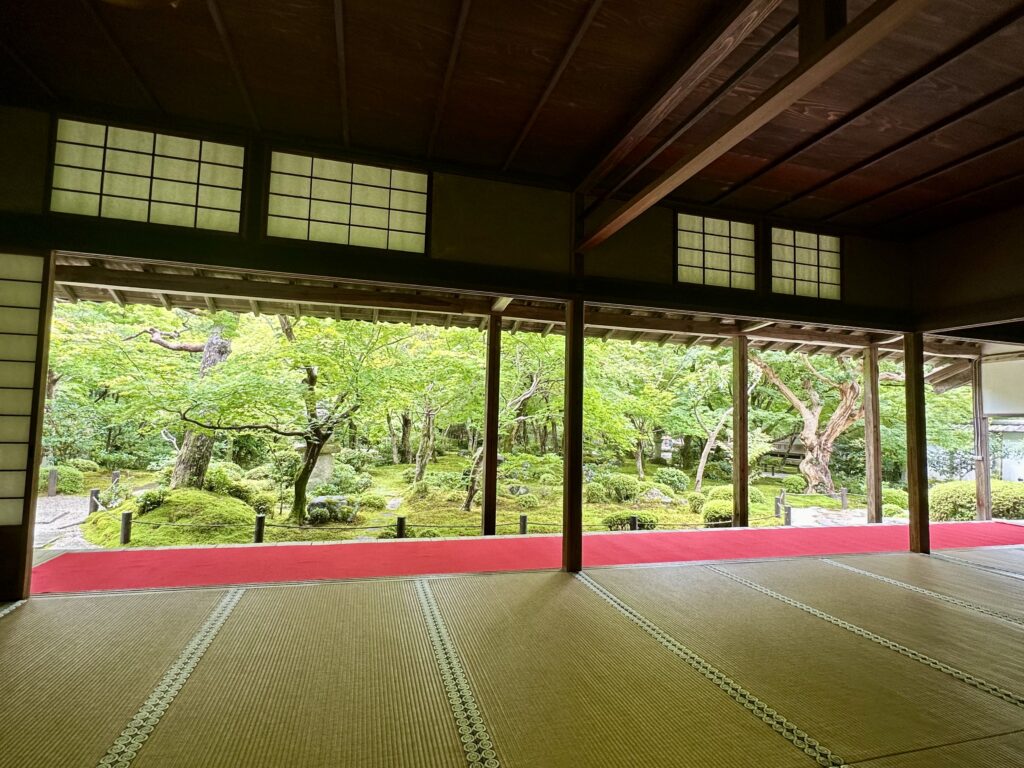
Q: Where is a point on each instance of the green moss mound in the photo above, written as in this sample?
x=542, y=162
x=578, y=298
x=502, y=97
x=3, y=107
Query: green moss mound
x=212, y=519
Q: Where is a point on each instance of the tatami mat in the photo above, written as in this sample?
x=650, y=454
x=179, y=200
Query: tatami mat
x=859, y=698
x=565, y=680
x=73, y=671
x=1010, y=559
x=1005, y=751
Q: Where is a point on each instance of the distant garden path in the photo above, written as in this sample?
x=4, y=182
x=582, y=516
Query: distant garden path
x=57, y=522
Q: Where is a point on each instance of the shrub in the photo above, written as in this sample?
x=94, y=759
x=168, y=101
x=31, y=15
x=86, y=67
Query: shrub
x=359, y=459
x=150, y=500
x=895, y=497
x=621, y=488
x=720, y=492
x=724, y=493
x=717, y=511
x=70, y=481
x=244, y=490
x=527, y=501
x=525, y=466
x=549, y=479
x=264, y=502
x=346, y=480
x=409, y=475
x=318, y=516
x=329, y=509
x=675, y=479
x=220, y=475
x=956, y=500
x=114, y=495
x=420, y=490
x=696, y=501
x=285, y=465
x=595, y=493
x=84, y=465
x=452, y=481
x=387, y=533
x=620, y=522
x=371, y=501
x=892, y=510
x=262, y=472
x=794, y=484
x=424, y=533
x=120, y=460
x=1007, y=500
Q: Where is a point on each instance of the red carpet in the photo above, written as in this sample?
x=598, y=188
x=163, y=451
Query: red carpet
x=142, y=569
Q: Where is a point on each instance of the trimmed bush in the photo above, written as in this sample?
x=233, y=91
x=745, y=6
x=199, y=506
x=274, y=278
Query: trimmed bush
x=620, y=522
x=359, y=459
x=387, y=533
x=220, y=475
x=409, y=475
x=84, y=465
x=264, y=502
x=548, y=479
x=892, y=510
x=1007, y=500
x=956, y=500
x=262, y=472
x=244, y=490
x=70, y=481
x=717, y=512
x=594, y=493
x=621, y=488
x=794, y=484
x=346, y=480
x=335, y=509
x=527, y=501
x=149, y=500
x=675, y=479
x=724, y=493
x=895, y=497
x=371, y=501
x=696, y=501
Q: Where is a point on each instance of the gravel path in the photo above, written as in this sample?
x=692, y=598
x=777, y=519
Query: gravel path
x=818, y=516
x=57, y=522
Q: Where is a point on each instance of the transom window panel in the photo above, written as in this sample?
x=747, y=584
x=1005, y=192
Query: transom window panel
x=331, y=201
x=805, y=264
x=120, y=173
x=714, y=252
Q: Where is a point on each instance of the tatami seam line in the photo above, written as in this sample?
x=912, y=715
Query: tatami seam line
x=937, y=595
x=11, y=608
x=126, y=746
x=979, y=566
x=473, y=734
x=903, y=650
x=944, y=745
x=778, y=722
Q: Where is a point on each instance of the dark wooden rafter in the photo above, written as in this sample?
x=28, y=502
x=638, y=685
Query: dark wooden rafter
x=449, y=72
x=885, y=97
x=236, y=69
x=723, y=36
x=339, y=44
x=20, y=62
x=958, y=197
x=704, y=109
x=556, y=76
x=871, y=26
x=101, y=24
x=919, y=135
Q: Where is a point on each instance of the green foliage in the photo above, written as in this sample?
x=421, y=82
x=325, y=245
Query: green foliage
x=452, y=481
x=345, y=479
x=696, y=501
x=724, y=493
x=220, y=476
x=717, y=511
x=527, y=501
x=84, y=465
x=149, y=500
x=526, y=466
x=548, y=479
x=245, y=490
x=675, y=479
x=371, y=501
x=595, y=493
x=423, y=533
x=70, y=481
x=794, y=484
x=956, y=500
x=892, y=510
x=620, y=522
x=114, y=495
x=263, y=502
x=286, y=465
x=249, y=450
x=324, y=509
x=409, y=475
x=360, y=459
x=261, y=472
x=387, y=533
x=896, y=497
x=621, y=488
x=1007, y=500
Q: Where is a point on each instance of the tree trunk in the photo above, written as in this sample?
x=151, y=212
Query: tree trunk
x=709, y=446
x=426, y=448
x=396, y=456
x=474, y=479
x=196, y=448
x=310, y=455
x=406, y=438
x=640, y=459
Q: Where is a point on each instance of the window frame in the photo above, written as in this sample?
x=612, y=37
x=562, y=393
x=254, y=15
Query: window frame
x=794, y=228
x=755, y=240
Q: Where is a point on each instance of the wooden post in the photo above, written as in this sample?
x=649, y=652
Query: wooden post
x=982, y=462
x=572, y=437
x=872, y=435
x=778, y=506
x=788, y=519
x=917, y=442
x=51, y=483
x=522, y=524
x=489, y=512
x=115, y=477
x=634, y=523
x=740, y=443
x=261, y=521
x=94, y=500
x=844, y=502
x=126, y=528
x=400, y=527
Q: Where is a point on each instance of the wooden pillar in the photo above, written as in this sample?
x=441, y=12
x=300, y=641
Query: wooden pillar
x=27, y=281
x=489, y=512
x=982, y=461
x=917, y=442
x=572, y=440
x=740, y=434
x=819, y=20
x=872, y=435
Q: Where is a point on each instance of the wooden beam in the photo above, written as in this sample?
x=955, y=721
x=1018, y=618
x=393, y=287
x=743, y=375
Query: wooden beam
x=492, y=389
x=982, y=461
x=211, y=304
x=584, y=25
x=117, y=297
x=866, y=30
x=722, y=37
x=339, y=45
x=740, y=433
x=236, y=69
x=919, y=74
x=917, y=442
x=449, y=71
x=820, y=21
x=501, y=303
x=255, y=307
x=572, y=437
x=872, y=435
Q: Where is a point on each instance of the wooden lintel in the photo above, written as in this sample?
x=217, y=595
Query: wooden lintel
x=253, y=305
x=501, y=303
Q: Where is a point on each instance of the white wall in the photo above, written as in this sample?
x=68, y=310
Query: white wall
x=1003, y=387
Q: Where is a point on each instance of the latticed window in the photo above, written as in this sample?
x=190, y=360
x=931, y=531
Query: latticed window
x=331, y=201
x=714, y=252
x=805, y=264
x=121, y=173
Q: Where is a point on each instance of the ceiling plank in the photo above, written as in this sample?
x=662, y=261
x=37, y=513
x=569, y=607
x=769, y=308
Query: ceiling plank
x=229, y=52
x=581, y=30
x=39, y=83
x=116, y=46
x=453, y=58
x=901, y=85
x=968, y=193
x=339, y=44
x=723, y=36
x=870, y=27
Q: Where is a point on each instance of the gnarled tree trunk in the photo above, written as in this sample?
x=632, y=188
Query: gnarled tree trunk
x=426, y=448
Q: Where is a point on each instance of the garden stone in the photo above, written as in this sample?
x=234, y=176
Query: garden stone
x=656, y=496
x=518, y=490
x=322, y=471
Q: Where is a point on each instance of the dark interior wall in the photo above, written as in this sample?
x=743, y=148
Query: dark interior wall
x=876, y=272
x=643, y=250
x=24, y=149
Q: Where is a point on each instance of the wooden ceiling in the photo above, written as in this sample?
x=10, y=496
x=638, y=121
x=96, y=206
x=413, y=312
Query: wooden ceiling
x=924, y=127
